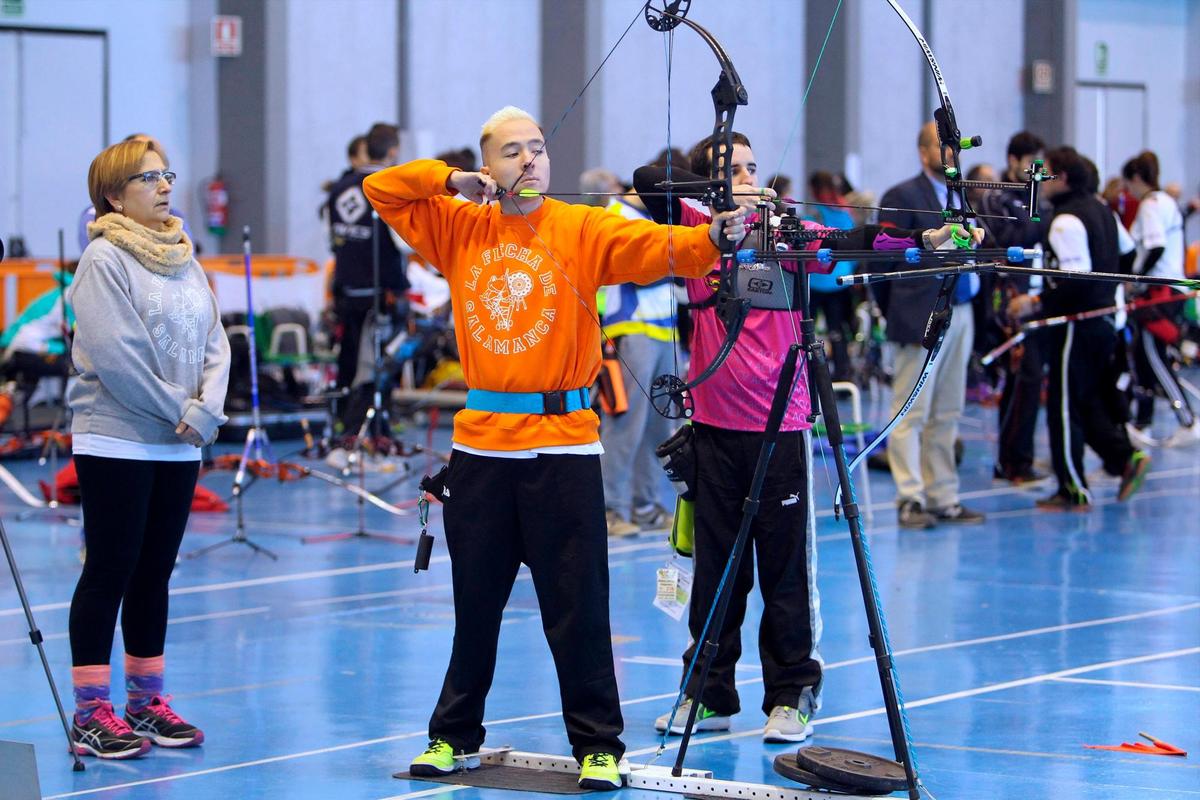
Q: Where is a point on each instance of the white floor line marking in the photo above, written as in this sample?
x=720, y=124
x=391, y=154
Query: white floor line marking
x=243, y=765
x=1016, y=513
x=240, y=612
x=944, y=698
x=350, y=598
x=996, y=687
x=1135, y=684
x=428, y=792
x=1002, y=491
x=305, y=576
x=249, y=582
x=1001, y=637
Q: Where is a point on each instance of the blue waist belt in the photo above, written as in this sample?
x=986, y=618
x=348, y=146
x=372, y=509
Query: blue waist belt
x=559, y=402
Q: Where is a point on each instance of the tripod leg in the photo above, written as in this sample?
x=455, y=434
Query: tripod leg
x=897, y=724
x=35, y=636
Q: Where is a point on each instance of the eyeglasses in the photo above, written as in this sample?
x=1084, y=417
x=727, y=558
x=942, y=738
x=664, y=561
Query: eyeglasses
x=152, y=177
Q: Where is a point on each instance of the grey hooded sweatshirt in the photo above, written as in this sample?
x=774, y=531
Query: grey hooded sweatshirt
x=149, y=348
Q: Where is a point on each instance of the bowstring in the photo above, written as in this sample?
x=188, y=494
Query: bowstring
x=589, y=309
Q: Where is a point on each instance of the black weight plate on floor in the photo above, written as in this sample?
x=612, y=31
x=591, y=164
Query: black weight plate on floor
x=786, y=766
x=860, y=771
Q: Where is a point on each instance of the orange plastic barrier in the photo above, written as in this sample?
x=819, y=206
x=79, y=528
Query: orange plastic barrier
x=21, y=281
x=1190, y=260
x=267, y=265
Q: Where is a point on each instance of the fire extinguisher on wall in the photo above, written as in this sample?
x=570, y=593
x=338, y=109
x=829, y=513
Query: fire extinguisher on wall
x=216, y=206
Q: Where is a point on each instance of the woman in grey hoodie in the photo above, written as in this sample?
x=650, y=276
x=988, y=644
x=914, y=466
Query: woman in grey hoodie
x=153, y=364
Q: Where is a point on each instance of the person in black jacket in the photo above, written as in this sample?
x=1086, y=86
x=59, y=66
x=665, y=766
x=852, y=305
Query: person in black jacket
x=1082, y=403
x=354, y=239
x=921, y=448
x=1025, y=368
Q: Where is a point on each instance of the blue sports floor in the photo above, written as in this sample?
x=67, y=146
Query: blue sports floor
x=1018, y=642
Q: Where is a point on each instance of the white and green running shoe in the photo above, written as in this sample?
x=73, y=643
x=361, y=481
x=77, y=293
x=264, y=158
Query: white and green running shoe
x=439, y=759
x=787, y=724
x=706, y=719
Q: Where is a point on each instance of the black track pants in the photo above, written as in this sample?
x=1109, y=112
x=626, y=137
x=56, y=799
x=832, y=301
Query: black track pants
x=786, y=643
x=547, y=512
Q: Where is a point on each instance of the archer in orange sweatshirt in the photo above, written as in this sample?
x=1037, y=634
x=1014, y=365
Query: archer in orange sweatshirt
x=524, y=482
x=523, y=288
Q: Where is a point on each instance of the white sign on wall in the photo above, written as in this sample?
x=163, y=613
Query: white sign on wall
x=226, y=36
x=1043, y=77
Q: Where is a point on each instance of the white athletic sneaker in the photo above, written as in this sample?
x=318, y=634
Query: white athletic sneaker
x=706, y=720
x=1139, y=438
x=787, y=724
x=1184, y=437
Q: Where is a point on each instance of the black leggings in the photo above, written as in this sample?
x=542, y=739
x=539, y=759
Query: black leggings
x=134, y=515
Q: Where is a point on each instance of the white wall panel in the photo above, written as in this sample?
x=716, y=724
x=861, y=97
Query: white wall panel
x=628, y=102
x=148, y=76
x=466, y=59
x=1147, y=43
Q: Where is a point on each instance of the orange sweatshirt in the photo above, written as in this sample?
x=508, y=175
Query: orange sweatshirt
x=518, y=286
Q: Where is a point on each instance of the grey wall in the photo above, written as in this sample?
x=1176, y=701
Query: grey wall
x=242, y=125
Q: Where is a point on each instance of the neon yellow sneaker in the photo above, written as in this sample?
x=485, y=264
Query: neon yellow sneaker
x=439, y=759
x=599, y=772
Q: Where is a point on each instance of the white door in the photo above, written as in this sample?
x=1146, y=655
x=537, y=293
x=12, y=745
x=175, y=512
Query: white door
x=53, y=129
x=1110, y=124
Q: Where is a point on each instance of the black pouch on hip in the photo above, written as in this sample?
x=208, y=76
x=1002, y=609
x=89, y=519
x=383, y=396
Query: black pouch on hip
x=436, y=485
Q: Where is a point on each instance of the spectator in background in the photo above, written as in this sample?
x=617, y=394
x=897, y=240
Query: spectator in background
x=1121, y=200
x=89, y=214
x=639, y=323
x=921, y=448
x=979, y=172
x=1082, y=236
x=356, y=154
x=781, y=183
x=677, y=157
x=462, y=158
x=354, y=239
x=981, y=382
x=1158, y=233
x=834, y=301
x=35, y=344
x=599, y=186
x=1024, y=366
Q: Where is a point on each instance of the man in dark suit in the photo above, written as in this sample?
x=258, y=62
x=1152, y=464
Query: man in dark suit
x=921, y=448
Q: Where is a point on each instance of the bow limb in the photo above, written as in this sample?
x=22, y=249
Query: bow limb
x=958, y=209
x=670, y=394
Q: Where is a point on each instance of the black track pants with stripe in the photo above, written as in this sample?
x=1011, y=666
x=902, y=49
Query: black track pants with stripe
x=1079, y=404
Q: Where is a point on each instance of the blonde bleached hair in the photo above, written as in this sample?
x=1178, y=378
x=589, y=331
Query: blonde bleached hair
x=111, y=169
x=506, y=114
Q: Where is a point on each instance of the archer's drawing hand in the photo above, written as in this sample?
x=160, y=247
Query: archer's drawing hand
x=750, y=196
x=475, y=186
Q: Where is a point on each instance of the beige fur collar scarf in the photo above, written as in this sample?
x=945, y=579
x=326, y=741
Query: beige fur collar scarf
x=164, y=252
